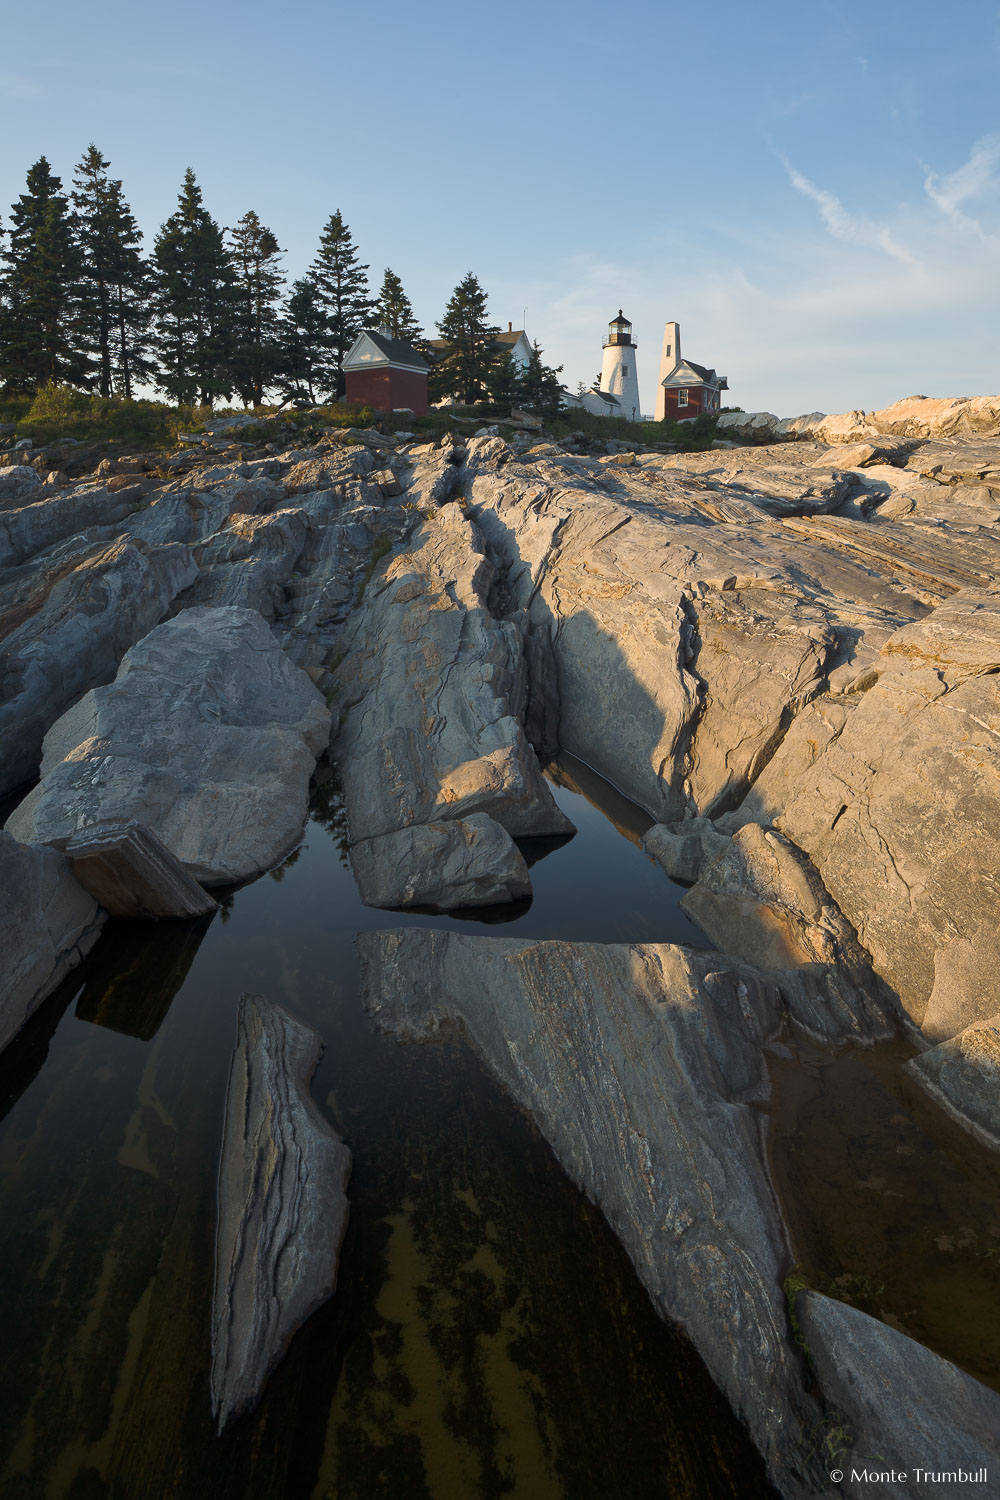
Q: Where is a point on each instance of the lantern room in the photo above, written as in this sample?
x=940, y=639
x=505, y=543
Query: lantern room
x=620, y=332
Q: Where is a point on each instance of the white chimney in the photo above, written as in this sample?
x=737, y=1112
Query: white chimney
x=668, y=360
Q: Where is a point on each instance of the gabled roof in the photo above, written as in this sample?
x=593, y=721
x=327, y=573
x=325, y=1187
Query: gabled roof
x=687, y=372
x=393, y=352
x=604, y=396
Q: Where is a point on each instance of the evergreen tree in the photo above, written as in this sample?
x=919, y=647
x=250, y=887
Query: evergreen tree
x=41, y=270
x=305, y=345
x=114, y=288
x=341, y=285
x=540, y=388
x=195, y=302
x=394, y=309
x=258, y=355
x=470, y=349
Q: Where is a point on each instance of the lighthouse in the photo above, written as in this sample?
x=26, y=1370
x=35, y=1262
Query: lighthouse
x=618, y=376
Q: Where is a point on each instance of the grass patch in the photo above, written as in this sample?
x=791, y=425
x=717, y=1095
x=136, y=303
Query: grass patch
x=59, y=412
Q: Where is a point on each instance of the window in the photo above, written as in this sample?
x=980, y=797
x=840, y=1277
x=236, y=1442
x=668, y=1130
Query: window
x=682, y=398
x=624, y=369
x=666, y=351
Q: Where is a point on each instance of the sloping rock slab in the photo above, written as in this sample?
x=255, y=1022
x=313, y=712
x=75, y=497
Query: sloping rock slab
x=963, y=1074
x=762, y=900
x=639, y=1063
x=282, y=1205
x=131, y=873
x=48, y=923
x=68, y=629
x=906, y=1407
x=208, y=735
x=462, y=862
x=433, y=690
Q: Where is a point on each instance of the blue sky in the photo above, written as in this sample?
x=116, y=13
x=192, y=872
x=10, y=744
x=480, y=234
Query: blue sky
x=813, y=190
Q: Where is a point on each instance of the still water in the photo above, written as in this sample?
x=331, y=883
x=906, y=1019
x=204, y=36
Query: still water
x=488, y=1336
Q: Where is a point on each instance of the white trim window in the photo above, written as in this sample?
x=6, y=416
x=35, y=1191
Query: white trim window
x=682, y=398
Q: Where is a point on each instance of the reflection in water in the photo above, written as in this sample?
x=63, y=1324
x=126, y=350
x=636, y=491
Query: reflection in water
x=137, y=972
x=891, y=1205
x=488, y=1336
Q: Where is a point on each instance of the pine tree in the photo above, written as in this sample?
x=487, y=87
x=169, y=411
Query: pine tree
x=470, y=345
x=540, y=388
x=114, y=288
x=258, y=354
x=41, y=264
x=394, y=309
x=341, y=285
x=305, y=345
x=195, y=302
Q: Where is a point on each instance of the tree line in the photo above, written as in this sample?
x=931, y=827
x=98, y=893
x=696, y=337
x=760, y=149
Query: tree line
x=207, y=314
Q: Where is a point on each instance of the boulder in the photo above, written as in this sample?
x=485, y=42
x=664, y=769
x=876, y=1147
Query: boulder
x=432, y=691
x=642, y=1066
x=387, y=482
x=462, y=862
x=208, y=735
x=682, y=849
x=49, y=922
x=18, y=483
x=963, y=1074
x=898, y=1409
x=126, y=868
x=67, y=623
x=282, y=1205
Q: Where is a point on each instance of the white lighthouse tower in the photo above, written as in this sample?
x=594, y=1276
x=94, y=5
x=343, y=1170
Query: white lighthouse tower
x=618, y=376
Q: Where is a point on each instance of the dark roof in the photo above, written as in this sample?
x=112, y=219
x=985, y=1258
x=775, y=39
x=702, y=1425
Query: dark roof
x=621, y=319
x=509, y=338
x=398, y=351
x=605, y=396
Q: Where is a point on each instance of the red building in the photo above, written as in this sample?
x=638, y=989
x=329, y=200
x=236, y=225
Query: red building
x=685, y=388
x=386, y=373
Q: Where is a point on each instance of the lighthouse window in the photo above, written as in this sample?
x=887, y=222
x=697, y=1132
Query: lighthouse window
x=624, y=369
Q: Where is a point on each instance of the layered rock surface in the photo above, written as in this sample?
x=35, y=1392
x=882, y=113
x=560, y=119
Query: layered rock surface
x=282, y=1206
x=431, y=695
x=208, y=735
x=49, y=923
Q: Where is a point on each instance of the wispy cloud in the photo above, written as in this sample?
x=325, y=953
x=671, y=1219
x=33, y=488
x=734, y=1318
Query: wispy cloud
x=847, y=227
x=969, y=181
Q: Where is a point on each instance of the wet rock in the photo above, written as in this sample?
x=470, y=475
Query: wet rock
x=963, y=1074
x=131, y=873
x=208, y=735
x=282, y=1209
x=67, y=624
x=48, y=923
x=682, y=849
x=762, y=901
x=640, y=1064
x=897, y=1405
x=463, y=862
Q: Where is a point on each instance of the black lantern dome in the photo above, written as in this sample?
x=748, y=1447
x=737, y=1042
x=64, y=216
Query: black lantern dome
x=620, y=331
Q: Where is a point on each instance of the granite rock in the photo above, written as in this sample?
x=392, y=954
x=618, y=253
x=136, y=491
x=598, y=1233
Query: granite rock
x=208, y=735
x=282, y=1205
